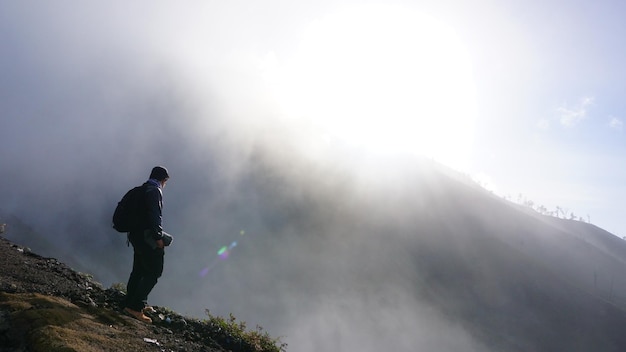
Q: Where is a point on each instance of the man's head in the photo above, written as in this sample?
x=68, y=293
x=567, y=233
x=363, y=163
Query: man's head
x=160, y=174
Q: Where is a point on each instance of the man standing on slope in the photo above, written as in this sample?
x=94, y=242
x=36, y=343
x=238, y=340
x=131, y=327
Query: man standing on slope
x=149, y=247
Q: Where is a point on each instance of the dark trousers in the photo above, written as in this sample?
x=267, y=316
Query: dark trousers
x=147, y=269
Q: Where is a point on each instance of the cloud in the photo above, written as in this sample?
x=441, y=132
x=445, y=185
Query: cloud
x=570, y=116
x=616, y=124
x=543, y=124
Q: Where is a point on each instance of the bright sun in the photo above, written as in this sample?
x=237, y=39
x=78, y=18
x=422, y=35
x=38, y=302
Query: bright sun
x=385, y=79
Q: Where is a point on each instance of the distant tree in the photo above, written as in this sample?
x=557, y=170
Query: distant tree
x=542, y=210
x=558, y=211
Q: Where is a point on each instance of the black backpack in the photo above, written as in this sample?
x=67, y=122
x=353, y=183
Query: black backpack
x=127, y=215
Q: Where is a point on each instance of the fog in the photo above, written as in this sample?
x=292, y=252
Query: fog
x=93, y=96
x=312, y=239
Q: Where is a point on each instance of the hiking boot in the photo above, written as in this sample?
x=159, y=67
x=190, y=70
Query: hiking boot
x=137, y=315
x=148, y=309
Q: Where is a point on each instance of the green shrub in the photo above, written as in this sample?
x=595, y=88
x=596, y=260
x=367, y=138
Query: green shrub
x=232, y=334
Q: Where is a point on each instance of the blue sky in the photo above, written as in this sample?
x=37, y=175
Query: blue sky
x=552, y=127
x=540, y=113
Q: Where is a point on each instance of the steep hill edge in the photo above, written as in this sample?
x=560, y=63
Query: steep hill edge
x=47, y=306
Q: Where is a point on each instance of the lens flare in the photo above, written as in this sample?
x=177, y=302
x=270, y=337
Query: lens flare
x=225, y=251
x=204, y=271
x=222, y=254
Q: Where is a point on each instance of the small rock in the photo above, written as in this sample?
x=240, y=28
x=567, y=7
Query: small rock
x=153, y=341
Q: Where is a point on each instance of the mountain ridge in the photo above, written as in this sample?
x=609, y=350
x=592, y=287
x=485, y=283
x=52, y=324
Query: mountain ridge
x=398, y=255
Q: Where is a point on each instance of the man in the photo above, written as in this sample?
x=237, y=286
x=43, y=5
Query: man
x=148, y=246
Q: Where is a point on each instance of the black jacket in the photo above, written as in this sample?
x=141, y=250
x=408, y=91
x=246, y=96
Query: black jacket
x=153, y=210
x=151, y=228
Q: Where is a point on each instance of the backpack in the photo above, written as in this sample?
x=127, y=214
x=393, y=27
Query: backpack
x=127, y=216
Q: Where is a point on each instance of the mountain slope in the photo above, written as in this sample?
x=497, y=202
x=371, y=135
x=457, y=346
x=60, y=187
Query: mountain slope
x=46, y=306
x=413, y=238
x=371, y=255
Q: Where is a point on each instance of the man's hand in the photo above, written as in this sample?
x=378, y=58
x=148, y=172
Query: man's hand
x=160, y=244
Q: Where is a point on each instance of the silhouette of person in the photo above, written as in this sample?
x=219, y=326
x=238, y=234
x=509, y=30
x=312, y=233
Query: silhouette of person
x=149, y=242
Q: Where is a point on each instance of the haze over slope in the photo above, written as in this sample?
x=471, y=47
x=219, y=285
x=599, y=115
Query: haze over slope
x=313, y=238
x=369, y=253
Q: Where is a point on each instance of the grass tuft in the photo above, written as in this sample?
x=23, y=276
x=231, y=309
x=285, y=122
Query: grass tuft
x=234, y=335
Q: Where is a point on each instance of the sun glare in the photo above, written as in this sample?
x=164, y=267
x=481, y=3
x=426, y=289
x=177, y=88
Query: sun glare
x=384, y=79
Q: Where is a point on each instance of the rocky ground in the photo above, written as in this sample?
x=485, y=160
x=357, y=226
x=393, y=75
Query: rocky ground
x=47, y=306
